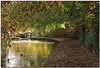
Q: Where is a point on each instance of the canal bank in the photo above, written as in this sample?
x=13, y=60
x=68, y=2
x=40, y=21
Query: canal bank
x=67, y=53
x=70, y=53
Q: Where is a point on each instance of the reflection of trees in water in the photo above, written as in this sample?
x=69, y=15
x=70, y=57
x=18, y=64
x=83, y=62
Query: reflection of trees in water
x=33, y=54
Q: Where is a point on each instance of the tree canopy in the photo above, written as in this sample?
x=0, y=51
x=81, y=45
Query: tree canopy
x=47, y=15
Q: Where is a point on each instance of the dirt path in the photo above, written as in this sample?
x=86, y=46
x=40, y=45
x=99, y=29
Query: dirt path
x=70, y=53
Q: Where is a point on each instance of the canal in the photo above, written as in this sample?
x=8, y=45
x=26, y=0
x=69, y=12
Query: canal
x=28, y=53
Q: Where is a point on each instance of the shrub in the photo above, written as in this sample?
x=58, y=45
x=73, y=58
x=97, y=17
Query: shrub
x=93, y=39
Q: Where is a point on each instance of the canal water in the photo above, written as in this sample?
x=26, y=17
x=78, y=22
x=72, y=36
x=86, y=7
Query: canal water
x=28, y=53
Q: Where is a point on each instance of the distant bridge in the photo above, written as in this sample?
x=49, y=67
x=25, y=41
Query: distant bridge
x=22, y=36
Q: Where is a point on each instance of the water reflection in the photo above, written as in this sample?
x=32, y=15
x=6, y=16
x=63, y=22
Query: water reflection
x=28, y=53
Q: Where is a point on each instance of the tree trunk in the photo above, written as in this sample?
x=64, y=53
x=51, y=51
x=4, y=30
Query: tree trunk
x=83, y=35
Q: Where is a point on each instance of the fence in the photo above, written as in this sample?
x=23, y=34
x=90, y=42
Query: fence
x=81, y=35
